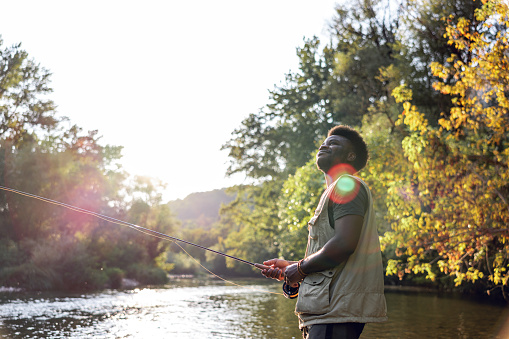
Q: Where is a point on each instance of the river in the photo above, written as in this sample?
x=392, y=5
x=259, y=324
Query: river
x=192, y=308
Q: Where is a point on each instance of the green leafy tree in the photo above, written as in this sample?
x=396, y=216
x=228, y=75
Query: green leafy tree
x=24, y=86
x=147, y=210
x=334, y=84
x=388, y=169
x=277, y=140
x=72, y=170
x=251, y=224
x=45, y=246
x=299, y=197
x=52, y=244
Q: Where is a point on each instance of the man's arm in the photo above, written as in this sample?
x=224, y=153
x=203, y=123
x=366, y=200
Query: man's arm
x=347, y=233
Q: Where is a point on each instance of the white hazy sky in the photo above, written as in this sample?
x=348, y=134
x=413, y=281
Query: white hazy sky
x=167, y=80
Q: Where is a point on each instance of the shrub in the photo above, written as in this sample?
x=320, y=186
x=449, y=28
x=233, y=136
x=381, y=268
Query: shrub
x=115, y=277
x=29, y=276
x=147, y=275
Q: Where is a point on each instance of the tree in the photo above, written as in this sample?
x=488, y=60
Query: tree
x=70, y=168
x=299, y=197
x=277, y=140
x=45, y=246
x=24, y=86
x=54, y=245
x=147, y=210
x=250, y=224
x=336, y=83
x=455, y=214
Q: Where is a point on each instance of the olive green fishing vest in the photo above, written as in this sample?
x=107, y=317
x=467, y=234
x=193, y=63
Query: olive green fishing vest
x=352, y=291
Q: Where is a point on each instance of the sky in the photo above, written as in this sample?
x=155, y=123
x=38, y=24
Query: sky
x=167, y=80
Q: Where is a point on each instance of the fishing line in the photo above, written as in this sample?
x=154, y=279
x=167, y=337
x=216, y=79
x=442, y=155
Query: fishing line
x=143, y=230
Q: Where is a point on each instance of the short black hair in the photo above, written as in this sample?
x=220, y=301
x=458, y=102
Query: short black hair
x=358, y=143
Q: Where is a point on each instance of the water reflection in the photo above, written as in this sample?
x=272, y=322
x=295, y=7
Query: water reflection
x=427, y=315
x=197, y=309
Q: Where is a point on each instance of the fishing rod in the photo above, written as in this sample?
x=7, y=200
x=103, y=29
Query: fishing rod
x=121, y=222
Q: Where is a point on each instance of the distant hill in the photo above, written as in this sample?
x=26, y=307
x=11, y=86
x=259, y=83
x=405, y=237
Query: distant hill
x=200, y=209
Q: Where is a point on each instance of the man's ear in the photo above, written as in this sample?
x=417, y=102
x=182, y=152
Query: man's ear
x=351, y=156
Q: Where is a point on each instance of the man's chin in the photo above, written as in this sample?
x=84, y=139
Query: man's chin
x=322, y=165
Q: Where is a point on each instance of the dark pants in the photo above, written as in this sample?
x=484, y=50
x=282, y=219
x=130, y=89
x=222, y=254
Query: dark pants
x=333, y=331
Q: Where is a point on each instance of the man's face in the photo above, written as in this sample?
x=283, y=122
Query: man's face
x=334, y=150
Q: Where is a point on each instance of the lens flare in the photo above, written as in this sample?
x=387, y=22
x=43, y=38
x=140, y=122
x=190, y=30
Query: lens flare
x=346, y=187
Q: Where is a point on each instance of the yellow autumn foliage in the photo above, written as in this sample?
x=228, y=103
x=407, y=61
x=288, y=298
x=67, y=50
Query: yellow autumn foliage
x=452, y=216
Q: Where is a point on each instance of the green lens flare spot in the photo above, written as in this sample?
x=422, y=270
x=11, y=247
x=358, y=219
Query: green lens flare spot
x=345, y=184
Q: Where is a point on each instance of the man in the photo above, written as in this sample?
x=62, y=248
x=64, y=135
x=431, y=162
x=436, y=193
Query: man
x=341, y=275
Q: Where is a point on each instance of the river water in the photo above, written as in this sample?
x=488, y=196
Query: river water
x=189, y=308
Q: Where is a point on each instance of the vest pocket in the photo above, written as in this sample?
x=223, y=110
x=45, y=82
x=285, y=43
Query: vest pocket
x=314, y=294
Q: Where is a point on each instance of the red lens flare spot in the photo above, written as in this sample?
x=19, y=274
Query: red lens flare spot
x=346, y=187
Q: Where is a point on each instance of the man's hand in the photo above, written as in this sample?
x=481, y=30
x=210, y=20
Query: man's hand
x=292, y=275
x=274, y=268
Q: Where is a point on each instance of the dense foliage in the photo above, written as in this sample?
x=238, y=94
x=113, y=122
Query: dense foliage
x=44, y=246
x=455, y=219
x=426, y=83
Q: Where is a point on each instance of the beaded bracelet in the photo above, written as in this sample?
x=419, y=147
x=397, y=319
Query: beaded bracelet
x=299, y=268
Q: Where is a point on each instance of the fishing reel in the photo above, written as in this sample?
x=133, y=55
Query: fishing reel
x=291, y=292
